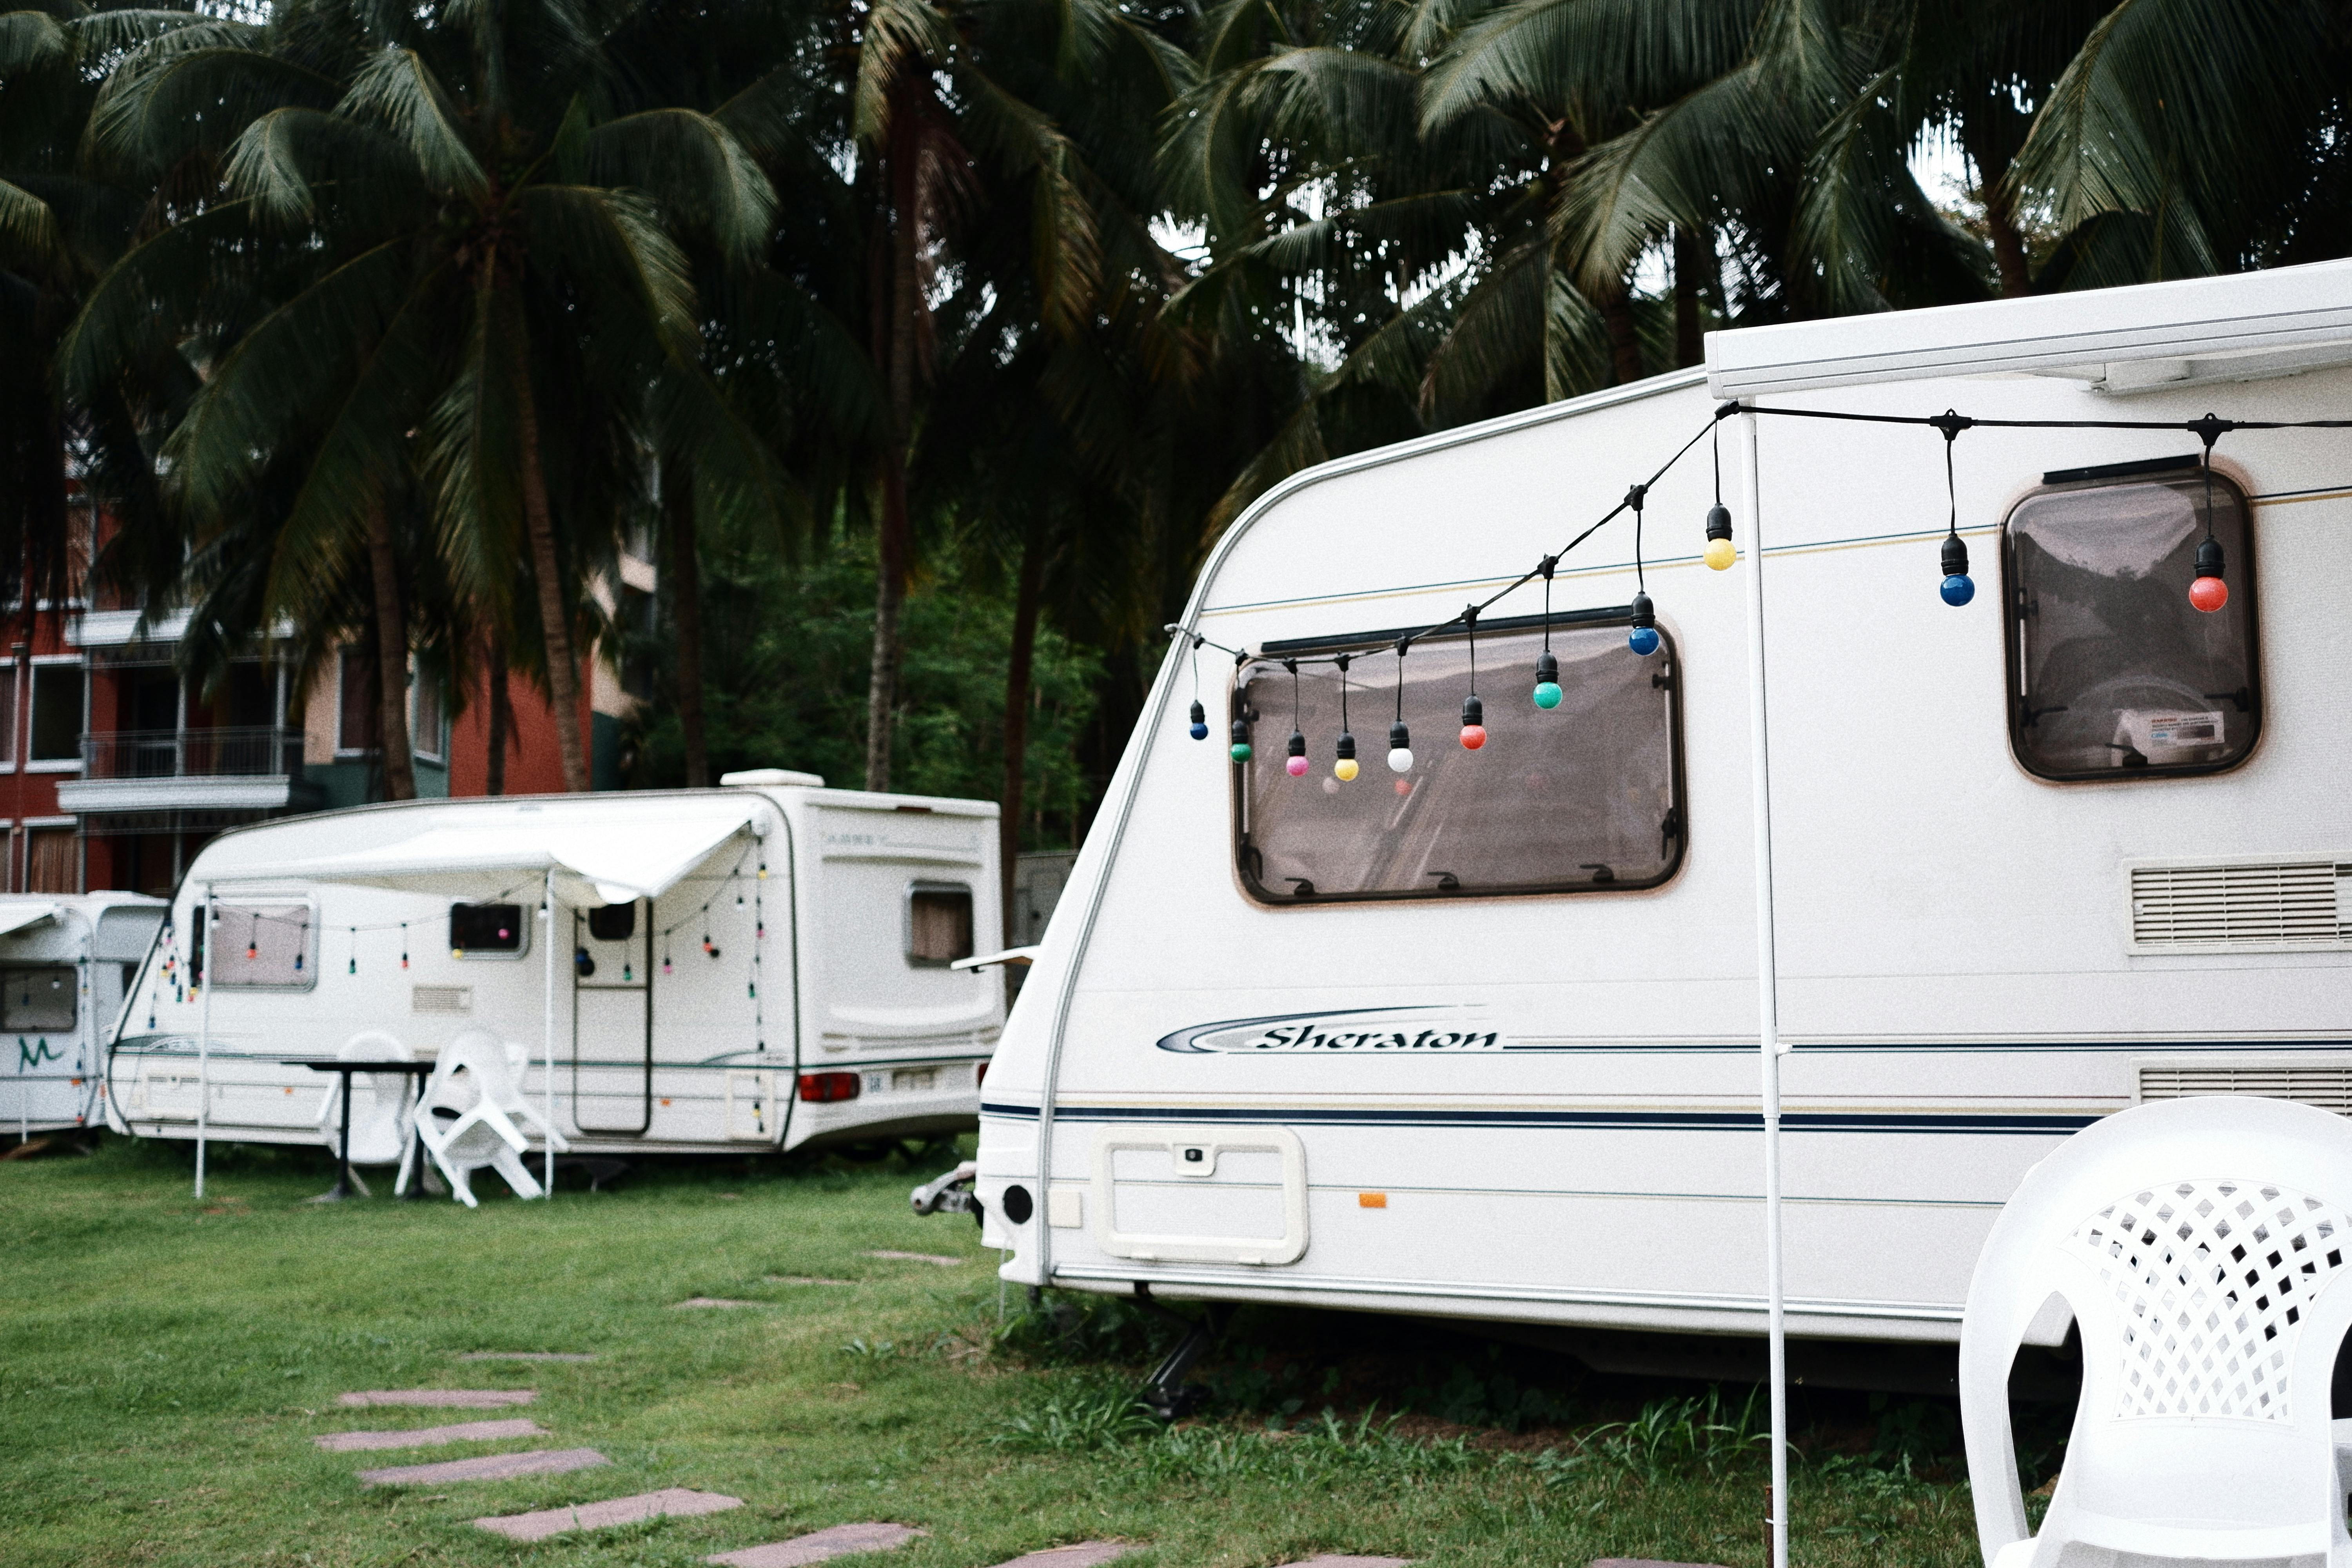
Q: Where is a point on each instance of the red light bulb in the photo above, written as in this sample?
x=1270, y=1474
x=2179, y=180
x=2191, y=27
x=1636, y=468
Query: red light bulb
x=2209, y=593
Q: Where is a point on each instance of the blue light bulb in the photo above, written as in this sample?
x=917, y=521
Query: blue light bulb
x=1959, y=590
x=1200, y=730
x=1643, y=640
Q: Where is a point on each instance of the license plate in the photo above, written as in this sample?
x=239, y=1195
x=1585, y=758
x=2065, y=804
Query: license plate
x=914, y=1078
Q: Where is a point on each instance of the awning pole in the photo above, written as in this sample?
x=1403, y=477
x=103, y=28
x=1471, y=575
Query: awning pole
x=546, y=1089
x=204, y=1038
x=1768, y=1007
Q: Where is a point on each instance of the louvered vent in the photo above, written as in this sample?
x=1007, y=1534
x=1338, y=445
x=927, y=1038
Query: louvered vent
x=2328, y=1087
x=2282, y=904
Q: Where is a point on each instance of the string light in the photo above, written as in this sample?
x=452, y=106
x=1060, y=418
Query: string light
x=1399, y=738
x=1474, y=713
x=1239, y=750
x=1958, y=588
x=1546, y=691
x=1344, y=768
x=1200, y=728
x=1643, y=638
x=404, y=944
x=1297, y=764
x=2209, y=593
x=1720, y=552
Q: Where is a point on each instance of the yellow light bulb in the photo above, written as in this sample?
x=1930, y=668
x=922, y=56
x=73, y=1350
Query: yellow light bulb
x=1719, y=554
x=1344, y=768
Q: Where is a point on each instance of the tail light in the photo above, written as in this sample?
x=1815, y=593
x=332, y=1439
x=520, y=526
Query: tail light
x=980, y=1075
x=824, y=1088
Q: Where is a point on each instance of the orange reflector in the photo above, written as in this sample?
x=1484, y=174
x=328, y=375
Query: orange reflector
x=1371, y=1200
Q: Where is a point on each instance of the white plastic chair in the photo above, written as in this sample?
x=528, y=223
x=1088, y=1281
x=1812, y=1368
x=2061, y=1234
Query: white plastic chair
x=471, y=1079
x=2200, y=1246
x=380, y=1114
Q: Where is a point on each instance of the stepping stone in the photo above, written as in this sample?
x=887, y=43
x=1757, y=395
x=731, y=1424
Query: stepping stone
x=718, y=1301
x=441, y=1398
x=428, y=1436
x=539, y=1526
x=1085, y=1554
x=806, y=1280
x=838, y=1541
x=524, y=1355
x=932, y=1257
x=1643, y=1562
x=1330, y=1561
x=489, y=1467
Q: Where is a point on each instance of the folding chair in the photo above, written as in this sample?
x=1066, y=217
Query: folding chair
x=379, y=1115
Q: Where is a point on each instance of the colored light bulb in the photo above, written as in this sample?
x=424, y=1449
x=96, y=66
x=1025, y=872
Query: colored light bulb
x=1958, y=588
x=1547, y=692
x=1720, y=552
x=1474, y=723
x=2209, y=593
x=1296, y=765
x=1399, y=749
x=1344, y=768
x=1199, y=722
x=1643, y=637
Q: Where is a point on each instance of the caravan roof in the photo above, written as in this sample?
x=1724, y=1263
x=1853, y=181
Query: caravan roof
x=2235, y=327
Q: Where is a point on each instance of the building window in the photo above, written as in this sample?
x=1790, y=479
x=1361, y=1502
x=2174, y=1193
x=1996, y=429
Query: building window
x=56, y=713
x=488, y=931
x=938, y=925
x=1586, y=797
x=41, y=999
x=8, y=717
x=51, y=865
x=428, y=729
x=2113, y=673
x=265, y=945
x=358, y=725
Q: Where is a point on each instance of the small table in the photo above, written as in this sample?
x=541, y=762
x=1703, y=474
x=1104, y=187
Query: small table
x=418, y=1070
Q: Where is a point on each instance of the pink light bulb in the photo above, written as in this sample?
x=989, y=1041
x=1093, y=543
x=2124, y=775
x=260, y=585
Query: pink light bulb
x=1297, y=766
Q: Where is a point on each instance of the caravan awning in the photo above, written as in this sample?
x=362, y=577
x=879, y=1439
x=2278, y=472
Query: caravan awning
x=16, y=915
x=599, y=855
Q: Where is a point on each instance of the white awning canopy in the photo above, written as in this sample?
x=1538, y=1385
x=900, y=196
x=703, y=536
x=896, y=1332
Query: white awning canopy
x=603, y=856
x=17, y=915
x=2239, y=327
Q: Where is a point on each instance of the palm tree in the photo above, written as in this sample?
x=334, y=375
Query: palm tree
x=432, y=259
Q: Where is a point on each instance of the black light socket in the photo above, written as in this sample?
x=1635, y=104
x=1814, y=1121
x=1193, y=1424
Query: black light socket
x=1347, y=745
x=1473, y=712
x=1399, y=739
x=1298, y=745
x=2209, y=559
x=1719, y=522
x=1956, y=556
x=1644, y=613
x=1547, y=668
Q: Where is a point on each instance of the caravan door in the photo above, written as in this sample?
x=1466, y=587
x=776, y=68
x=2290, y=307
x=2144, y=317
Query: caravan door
x=612, y=1019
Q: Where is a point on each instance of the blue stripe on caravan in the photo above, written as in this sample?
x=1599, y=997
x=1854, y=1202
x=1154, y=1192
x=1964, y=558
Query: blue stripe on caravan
x=2050, y=1125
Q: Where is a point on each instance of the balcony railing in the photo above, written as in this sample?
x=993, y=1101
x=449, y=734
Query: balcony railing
x=263, y=750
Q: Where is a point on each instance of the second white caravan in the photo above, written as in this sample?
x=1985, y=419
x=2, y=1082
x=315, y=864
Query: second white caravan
x=1476, y=1035
x=764, y=964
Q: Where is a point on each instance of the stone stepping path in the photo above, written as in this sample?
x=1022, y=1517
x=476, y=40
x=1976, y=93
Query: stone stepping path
x=1643, y=1562
x=428, y=1436
x=806, y=1280
x=681, y=1501
x=717, y=1301
x=525, y=1356
x=819, y=1545
x=487, y=1468
x=440, y=1398
x=1085, y=1554
x=1331, y=1560
x=932, y=1257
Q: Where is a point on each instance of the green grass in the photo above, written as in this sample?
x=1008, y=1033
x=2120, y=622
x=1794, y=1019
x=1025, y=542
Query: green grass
x=164, y=1365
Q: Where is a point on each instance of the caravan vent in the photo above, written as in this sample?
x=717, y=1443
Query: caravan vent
x=2279, y=904
x=2328, y=1087
x=442, y=999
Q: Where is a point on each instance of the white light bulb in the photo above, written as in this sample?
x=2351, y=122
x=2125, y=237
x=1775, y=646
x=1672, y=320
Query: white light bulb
x=1401, y=760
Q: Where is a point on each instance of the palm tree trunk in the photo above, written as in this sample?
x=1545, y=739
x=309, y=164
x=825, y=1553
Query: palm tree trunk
x=894, y=554
x=494, y=771
x=554, y=620
x=1691, y=257
x=889, y=598
x=2008, y=241
x=686, y=599
x=1625, y=340
x=390, y=658
x=1017, y=676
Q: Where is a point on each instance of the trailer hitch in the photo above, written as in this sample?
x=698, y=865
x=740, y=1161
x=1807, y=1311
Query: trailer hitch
x=950, y=1194
x=1165, y=1393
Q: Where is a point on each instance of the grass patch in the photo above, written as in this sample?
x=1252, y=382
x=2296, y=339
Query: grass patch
x=164, y=1364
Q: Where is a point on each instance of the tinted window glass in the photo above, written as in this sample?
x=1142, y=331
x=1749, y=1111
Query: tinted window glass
x=485, y=930
x=56, y=713
x=39, y=998
x=938, y=925
x=264, y=944
x=2113, y=672
x=612, y=922
x=1583, y=797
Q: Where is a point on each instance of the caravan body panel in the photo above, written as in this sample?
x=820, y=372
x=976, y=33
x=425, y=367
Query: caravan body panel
x=64, y=960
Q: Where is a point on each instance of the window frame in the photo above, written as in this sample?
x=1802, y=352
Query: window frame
x=2243, y=584
x=907, y=917
x=55, y=664
x=1370, y=644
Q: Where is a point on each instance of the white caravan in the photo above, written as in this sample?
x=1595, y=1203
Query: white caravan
x=1479, y=1039
x=766, y=965
x=66, y=959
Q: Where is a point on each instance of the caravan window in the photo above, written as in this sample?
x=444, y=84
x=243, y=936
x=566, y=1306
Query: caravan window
x=1584, y=798
x=938, y=925
x=264, y=945
x=33, y=1000
x=2113, y=673
x=488, y=931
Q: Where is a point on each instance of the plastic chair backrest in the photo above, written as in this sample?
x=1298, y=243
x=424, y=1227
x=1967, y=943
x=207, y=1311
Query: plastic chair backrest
x=2199, y=1244
x=379, y=1100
